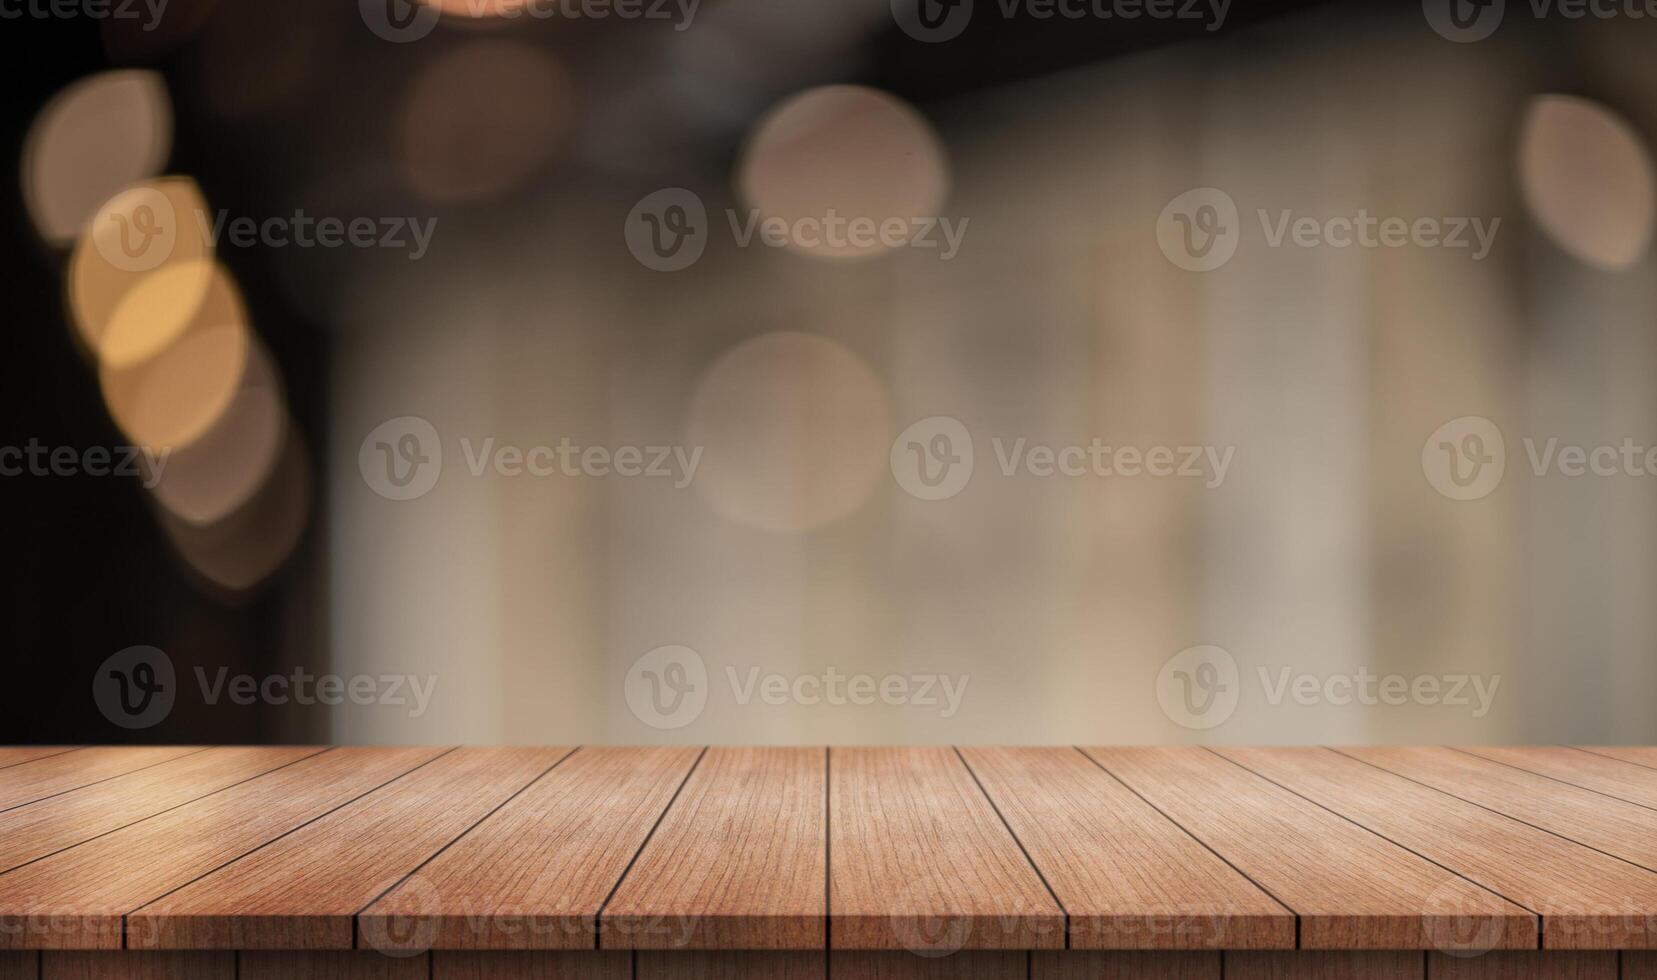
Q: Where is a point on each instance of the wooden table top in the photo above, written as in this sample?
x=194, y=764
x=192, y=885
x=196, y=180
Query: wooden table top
x=924, y=849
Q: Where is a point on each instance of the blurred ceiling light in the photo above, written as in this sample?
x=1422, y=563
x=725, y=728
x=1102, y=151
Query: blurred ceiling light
x=140, y=271
x=172, y=399
x=481, y=119
x=1587, y=180
x=844, y=151
x=242, y=550
x=94, y=138
x=796, y=431
x=206, y=481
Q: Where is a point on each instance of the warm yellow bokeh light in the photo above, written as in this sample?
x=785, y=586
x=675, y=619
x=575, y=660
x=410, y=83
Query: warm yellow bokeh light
x=141, y=271
x=481, y=119
x=242, y=550
x=94, y=138
x=795, y=430
x=221, y=471
x=1587, y=180
x=843, y=152
x=172, y=399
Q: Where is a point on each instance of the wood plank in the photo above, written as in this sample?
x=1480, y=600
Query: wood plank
x=739, y=862
x=359, y=965
x=1351, y=889
x=301, y=892
x=919, y=860
x=1524, y=966
x=759, y=965
x=13, y=755
x=75, y=899
x=19, y=966
x=1613, y=776
x=965, y=965
x=1601, y=822
x=533, y=965
x=1587, y=900
x=34, y=831
x=54, y=774
x=535, y=874
x=137, y=966
x=1128, y=877
x=1125, y=966
x=1639, y=755
x=1639, y=966
x=1325, y=965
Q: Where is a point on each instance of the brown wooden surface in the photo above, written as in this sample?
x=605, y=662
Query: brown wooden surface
x=1586, y=898
x=965, y=965
x=60, y=773
x=738, y=863
x=1351, y=888
x=330, y=966
x=1524, y=966
x=76, y=899
x=919, y=860
x=137, y=966
x=1640, y=755
x=1128, y=877
x=1605, y=823
x=536, y=872
x=1125, y=966
x=302, y=891
x=498, y=964
x=710, y=965
x=1325, y=965
x=1639, y=966
x=1589, y=769
x=15, y=755
x=34, y=831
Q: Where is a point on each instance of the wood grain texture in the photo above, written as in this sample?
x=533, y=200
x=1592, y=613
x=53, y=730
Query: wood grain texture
x=34, y=831
x=1639, y=755
x=362, y=965
x=532, y=965
x=535, y=874
x=1639, y=966
x=19, y=966
x=1351, y=889
x=12, y=755
x=1587, y=900
x=1524, y=966
x=137, y=966
x=1591, y=770
x=755, y=965
x=1125, y=966
x=1616, y=827
x=920, y=861
x=1128, y=877
x=301, y=892
x=76, y=899
x=965, y=965
x=54, y=774
x=739, y=862
x=1325, y=965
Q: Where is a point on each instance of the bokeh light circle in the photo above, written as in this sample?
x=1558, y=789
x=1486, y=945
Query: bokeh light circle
x=1587, y=180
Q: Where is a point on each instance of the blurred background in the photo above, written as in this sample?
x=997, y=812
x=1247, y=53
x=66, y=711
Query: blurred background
x=1219, y=372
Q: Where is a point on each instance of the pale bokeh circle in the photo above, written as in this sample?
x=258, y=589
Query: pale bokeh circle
x=795, y=430
x=1587, y=180
x=244, y=549
x=222, y=470
x=95, y=137
x=481, y=119
x=141, y=271
x=172, y=399
x=846, y=151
